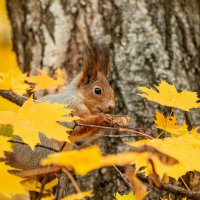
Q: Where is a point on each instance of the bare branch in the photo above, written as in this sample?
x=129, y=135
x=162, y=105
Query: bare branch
x=123, y=129
x=43, y=182
x=38, y=171
x=11, y=96
x=119, y=136
x=123, y=177
x=176, y=190
x=72, y=180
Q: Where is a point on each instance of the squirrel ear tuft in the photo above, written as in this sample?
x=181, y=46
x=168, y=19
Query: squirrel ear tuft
x=104, y=59
x=97, y=59
x=91, y=64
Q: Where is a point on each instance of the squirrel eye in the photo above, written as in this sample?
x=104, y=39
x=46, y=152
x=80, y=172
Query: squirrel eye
x=97, y=90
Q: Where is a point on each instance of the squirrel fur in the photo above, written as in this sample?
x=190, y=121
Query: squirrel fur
x=89, y=94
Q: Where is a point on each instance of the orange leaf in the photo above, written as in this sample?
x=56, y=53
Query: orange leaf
x=137, y=186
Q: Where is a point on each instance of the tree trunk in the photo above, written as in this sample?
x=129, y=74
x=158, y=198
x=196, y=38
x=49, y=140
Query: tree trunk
x=149, y=40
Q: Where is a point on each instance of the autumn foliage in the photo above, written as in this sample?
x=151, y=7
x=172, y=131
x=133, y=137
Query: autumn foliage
x=172, y=156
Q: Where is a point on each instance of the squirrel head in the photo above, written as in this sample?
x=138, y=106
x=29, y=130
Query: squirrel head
x=98, y=94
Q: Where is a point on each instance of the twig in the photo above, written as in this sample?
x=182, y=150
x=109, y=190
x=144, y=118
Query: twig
x=187, y=187
x=117, y=129
x=38, y=171
x=61, y=186
x=44, y=181
x=88, y=141
x=123, y=177
x=97, y=136
x=119, y=136
x=73, y=181
x=11, y=96
x=176, y=190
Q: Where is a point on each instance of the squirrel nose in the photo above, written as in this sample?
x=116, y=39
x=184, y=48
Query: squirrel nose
x=110, y=108
x=112, y=105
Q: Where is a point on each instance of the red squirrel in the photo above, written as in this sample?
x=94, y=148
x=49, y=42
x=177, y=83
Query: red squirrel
x=89, y=94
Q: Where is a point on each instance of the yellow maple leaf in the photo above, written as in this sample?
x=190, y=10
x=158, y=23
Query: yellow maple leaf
x=7, y=105
x=33, y=184
x=185, y=149
x=167, y=95
x=171, y=156
x=78, y=196
x=117, y=159
x=92, y=156
x=129, y=196
x=14, y=80
x=194, y=131
x=4, y=145
x=48, y=198
x=76, y=159
x=32, y=118
x=3, y=197
x=12, y=186
x=44, y=81
x=169, y=124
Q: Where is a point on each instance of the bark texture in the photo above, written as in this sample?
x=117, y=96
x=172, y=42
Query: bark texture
x=149, y=40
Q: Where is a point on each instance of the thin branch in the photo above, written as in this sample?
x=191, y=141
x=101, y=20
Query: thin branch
x=44, y=181
x=123, y=177
x=119, y=136
x=123, y=129
x=13, y=97
x=117, y=129
x=38, y=171
x=73, y=181
x=176, y=190
x=60, y=190
x=184, y=183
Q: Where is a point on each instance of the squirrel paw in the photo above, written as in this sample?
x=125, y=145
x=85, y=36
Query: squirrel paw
x=105, y=120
